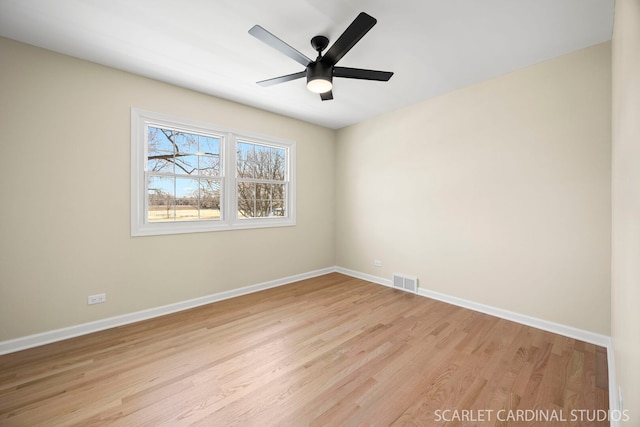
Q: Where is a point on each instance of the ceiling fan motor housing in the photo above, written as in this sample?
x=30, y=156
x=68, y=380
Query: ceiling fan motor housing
x=318, y=70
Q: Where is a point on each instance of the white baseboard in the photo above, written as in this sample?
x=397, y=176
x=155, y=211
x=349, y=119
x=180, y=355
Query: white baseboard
x=48, y=337
x=364, y=276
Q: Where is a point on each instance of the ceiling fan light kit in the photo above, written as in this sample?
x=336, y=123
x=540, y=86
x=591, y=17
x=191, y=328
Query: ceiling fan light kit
x=320, y=72
x=319, y=77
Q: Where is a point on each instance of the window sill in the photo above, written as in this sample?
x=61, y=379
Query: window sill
x=187, y=227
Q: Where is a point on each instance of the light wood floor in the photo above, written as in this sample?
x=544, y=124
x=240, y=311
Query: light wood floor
x=332, y=350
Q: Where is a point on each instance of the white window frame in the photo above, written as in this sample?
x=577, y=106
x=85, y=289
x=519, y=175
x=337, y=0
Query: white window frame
x=229, y=218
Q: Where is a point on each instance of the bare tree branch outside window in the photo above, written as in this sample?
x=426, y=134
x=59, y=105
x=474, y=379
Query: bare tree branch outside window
x=172, y=157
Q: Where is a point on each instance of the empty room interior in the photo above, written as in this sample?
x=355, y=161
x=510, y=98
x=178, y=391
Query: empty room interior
x=320, y=213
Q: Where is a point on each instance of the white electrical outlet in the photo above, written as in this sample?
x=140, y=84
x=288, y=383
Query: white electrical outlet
x=96, y=299
x=377, y=263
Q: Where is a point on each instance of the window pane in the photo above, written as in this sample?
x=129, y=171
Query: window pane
x=245, y=154
x=186, y=164
x=187, y=191
x=160, y=162
x=277, y=165
x=278, y=197
x=209, y=199
x=263, y=200
x=209, y=165
x=209, y=145
x=160, y=151
x=159, y=141
x=209, y=156
x=161, y=199
x=186, y=143
x=246, y=199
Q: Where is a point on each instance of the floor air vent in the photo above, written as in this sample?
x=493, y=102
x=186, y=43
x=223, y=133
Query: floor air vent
x=405, y=283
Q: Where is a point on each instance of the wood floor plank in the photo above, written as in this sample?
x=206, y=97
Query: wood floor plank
x=332, y=350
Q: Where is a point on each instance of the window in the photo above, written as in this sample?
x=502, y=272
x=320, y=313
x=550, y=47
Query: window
x=191, y=177
x=183, y=175
x=261, y=180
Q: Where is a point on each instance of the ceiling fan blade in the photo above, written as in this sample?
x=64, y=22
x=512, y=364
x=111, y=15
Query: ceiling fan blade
x=358, y=73
x=327, y=96
x=265, y=36
x=282, y=79
x=354, y=32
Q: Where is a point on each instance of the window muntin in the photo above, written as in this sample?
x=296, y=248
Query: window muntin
x=190, y=177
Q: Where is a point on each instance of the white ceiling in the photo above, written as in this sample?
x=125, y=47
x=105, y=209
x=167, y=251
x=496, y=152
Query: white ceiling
x=432, y=46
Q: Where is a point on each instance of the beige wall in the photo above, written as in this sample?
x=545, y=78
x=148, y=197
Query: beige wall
x=65, y=186
x=498, y=193
x=625, y=291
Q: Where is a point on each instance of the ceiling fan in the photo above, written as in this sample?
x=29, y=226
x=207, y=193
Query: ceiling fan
x=320, y=72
